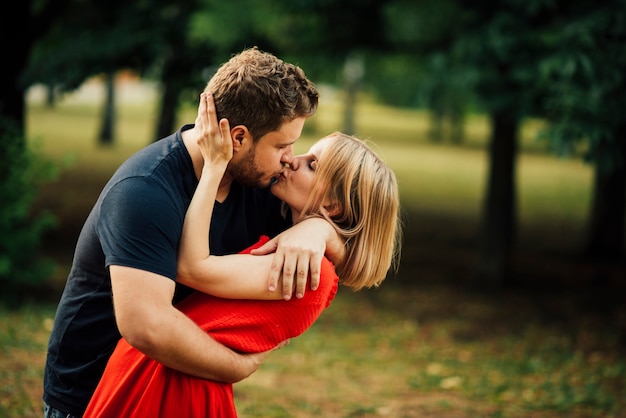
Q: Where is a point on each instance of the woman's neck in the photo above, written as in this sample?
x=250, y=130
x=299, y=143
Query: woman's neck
x=295, y=216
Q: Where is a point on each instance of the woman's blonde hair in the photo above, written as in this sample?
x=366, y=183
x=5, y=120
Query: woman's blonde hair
x=365, y=208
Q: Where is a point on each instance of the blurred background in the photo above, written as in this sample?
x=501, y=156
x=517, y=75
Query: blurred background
x=503, y=120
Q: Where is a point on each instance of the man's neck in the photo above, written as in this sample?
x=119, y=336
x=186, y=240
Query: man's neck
x=224, y=188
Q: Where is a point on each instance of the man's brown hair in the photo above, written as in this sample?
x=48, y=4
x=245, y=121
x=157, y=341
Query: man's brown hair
x=261, y=91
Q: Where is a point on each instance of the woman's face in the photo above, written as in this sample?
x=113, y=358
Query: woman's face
x=295, y=184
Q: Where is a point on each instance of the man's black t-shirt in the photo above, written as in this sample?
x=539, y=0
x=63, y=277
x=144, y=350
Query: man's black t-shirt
x=137, y=222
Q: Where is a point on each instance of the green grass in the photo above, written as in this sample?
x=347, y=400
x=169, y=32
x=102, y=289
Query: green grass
x=420, y=346
x=23, y=338
x=398, y=353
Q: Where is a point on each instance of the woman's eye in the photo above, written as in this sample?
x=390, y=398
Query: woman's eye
x=313, y=165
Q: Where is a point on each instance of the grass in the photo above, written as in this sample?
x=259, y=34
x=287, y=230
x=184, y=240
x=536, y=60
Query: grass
x=427, y=353
x=23, y=338
x=423, y=345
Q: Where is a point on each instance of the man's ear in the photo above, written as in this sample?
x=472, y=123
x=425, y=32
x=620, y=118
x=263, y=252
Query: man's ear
x=239, y=134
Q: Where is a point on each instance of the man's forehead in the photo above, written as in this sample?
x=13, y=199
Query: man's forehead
x=287, y=134
x=277, y=138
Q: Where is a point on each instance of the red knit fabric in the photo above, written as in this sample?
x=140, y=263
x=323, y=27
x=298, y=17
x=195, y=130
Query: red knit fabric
x=133, y=385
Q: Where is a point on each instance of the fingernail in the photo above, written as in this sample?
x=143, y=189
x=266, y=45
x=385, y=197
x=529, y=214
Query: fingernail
x=272, y=288
x=299, y=295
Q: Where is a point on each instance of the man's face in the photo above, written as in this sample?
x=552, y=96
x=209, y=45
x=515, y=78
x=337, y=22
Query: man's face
x=259, y=162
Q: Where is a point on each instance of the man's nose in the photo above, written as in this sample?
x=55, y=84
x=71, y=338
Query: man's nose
x=287, y=158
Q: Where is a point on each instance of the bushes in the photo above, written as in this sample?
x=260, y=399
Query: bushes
x=22, y=172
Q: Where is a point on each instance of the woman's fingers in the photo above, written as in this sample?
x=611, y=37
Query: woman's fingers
x=214, y=140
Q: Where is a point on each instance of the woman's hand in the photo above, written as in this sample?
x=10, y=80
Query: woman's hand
x=298, y=253
x=215, y=142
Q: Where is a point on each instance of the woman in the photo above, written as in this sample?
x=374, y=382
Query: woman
x=340, y=179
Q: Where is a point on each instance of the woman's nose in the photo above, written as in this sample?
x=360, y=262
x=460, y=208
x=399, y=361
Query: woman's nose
x=295, y=163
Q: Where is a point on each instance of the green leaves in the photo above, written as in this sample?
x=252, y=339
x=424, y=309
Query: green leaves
x=21, y=174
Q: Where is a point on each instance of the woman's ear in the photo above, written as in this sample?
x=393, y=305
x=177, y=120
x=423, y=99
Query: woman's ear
x=333, y=209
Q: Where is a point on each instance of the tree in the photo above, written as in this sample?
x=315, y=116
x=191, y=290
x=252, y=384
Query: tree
x=23, y=23
x=102, y=37
x=492, y=46
x=22, y=171
x=423, y=72
x=332, y=40
x=584, y=76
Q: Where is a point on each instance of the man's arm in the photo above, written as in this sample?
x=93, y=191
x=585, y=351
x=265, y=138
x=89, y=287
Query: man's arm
x=298, y=254
x=147, y=319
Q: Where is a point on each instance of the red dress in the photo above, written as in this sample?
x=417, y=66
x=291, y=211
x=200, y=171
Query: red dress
x=134, y=385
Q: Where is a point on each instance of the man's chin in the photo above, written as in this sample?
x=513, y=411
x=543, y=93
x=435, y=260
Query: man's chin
x=264, y=184
x=258, y=183
x=267, y=184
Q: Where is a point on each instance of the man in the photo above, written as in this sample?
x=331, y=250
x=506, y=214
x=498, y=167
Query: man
x=123, y=277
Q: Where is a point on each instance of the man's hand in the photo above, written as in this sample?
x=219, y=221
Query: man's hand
x=256, y=359
x=298, y=253
x=147, y=319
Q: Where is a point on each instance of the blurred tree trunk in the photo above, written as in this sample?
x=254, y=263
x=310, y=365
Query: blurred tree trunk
x=437, y=116
x=171, y=85
x=106, y=136
x=457, y=124
x=22, y=23
x=12, y=102
x=167, y=113
x=51, y=96
x=499, y=208
x=608, y=207
x=353, y=73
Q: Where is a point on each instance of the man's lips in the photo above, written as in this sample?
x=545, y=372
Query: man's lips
x=278, y=177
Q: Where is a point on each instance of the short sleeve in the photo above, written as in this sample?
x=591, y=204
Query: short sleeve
x=140, y=226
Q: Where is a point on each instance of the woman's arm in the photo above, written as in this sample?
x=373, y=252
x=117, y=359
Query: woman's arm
x=197, y=268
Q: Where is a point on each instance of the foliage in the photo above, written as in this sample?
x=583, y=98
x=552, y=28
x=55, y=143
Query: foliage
x=95, y=37
x=584, y=78
x=21, y=173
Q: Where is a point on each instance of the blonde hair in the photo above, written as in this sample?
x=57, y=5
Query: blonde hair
x=365, y=208
x=261, y=91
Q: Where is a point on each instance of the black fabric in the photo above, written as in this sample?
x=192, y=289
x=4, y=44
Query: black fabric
x=137, y=222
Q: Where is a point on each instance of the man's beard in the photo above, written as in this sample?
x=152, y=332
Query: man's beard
x=247, y=173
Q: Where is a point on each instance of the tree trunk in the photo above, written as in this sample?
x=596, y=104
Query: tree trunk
x=605, y=241
x=437, y=116
x=353, y=72
x=107, y=127
x=12, y=91
x=167, y=112
x=51, y=95
x=457, y=124
x=171, y=82
x=499, y=207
